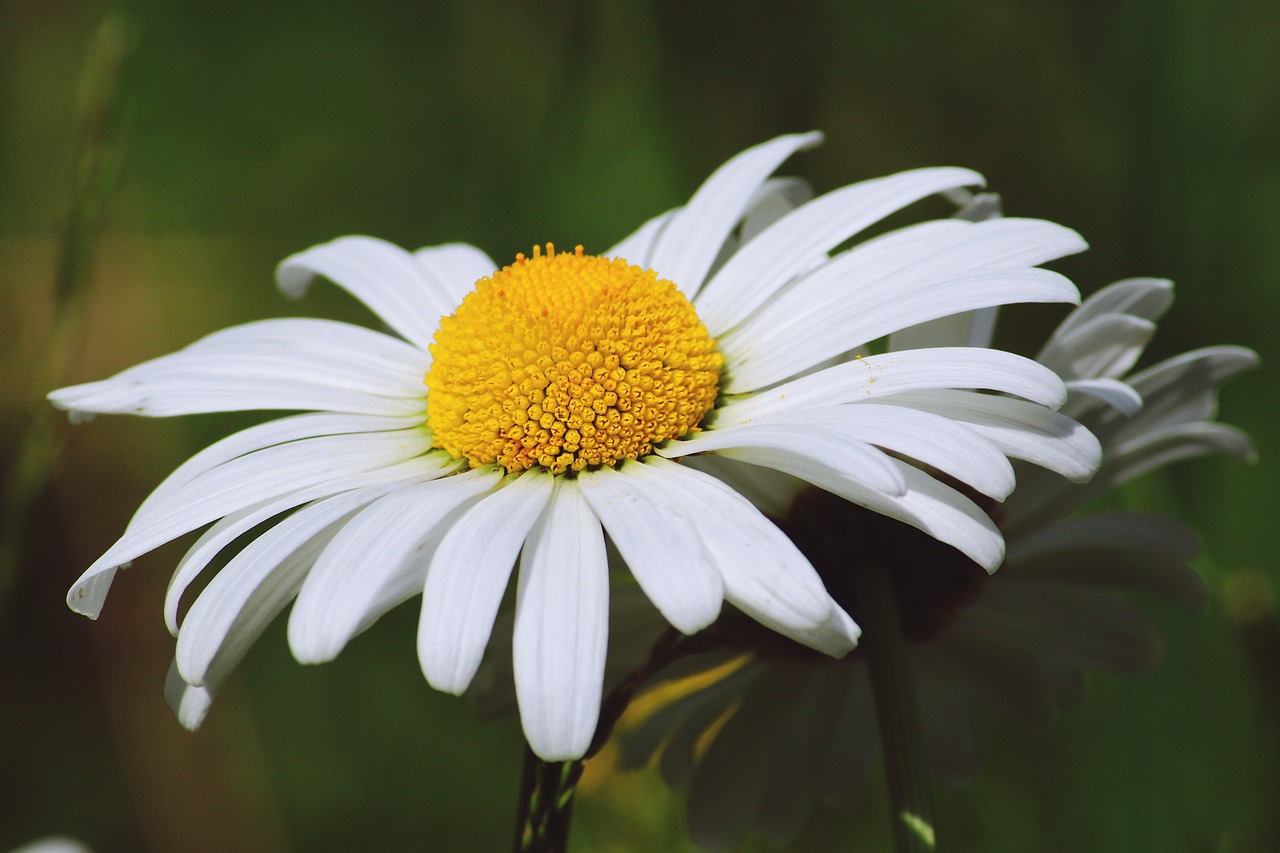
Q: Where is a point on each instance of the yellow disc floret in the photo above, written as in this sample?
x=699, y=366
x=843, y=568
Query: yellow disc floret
x=569, y=361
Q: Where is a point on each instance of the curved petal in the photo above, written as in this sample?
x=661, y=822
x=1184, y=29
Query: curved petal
x=653, y=529
x=561, y=627
x=795, y=447
x=267, y=365
x=239, y=602
x=468, y=575
x=456, y=267
x=765, y=575
x=865, y=379
x=376, y=561
x=1019, y=429
x=381, y=275
x=685, y=249
x=1106, y=346
x=785, y=248
x=244, y=481
x=934, y=440
x=787, y=338
x=636, y=247
x=227, y=530
x=1116, y=394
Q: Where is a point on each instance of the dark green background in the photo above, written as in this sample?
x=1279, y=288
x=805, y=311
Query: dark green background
x=241, y=132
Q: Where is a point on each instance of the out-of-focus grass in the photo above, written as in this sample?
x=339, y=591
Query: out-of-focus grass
x=249, y=131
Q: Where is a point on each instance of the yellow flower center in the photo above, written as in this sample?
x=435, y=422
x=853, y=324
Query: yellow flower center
x=568, y=361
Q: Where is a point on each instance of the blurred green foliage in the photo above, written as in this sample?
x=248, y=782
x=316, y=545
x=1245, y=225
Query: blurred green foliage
x=241, y=132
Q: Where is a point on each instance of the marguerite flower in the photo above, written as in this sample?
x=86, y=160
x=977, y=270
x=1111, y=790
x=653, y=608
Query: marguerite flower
x=527, y=411
x=1018, y=642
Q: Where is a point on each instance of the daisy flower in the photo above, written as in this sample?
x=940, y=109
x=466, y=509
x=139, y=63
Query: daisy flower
x=525, y=412
x=1018, y=642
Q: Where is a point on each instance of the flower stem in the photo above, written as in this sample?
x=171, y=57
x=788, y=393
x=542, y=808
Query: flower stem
x=910, y=797
x=547, y=790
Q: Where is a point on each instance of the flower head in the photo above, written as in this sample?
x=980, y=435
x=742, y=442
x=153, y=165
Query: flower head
x=1018, y=642
x=524, y=412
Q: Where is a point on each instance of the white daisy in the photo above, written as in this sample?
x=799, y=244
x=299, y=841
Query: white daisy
x=1022, y=648
x=527, y=411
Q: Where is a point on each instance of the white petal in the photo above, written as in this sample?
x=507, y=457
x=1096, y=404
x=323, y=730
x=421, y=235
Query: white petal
x=686, y=247
x=786, y=248
x=934, y=440
x=788, y=337
x=796, y=448
x=1106, y=346
x=247, y=480
x=376, y=561
x=468, y=575
x=637, y=247
x=561, y=628
x=865, y=379
x=776, y=198
x=1018, y=428
x=268, y=365
x=765, y=575
x=456, y=267
x=653, y=529
x=189, y=703
x=1146, y=298
x=229, y=529
x=241, y=599
x=269, y=434
x=1113, y=392
x=381, y=275
x=938, y=510
x=966, y=329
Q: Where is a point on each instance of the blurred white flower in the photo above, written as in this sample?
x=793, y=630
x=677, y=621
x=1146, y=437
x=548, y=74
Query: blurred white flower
x=527, y=411
x=1017, y=643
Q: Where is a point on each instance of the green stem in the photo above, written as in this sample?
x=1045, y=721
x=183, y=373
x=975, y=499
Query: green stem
x=546, y=804
x=910, y=797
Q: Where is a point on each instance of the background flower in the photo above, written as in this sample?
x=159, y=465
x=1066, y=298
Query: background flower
x=246, y=131
x=1019, y=643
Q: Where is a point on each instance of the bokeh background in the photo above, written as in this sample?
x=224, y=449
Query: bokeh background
x=157, y=158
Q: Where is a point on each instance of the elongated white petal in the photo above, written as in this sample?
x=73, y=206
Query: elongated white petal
x=381, y=275
x=374, y=563
x=783, y=340
x=1113, y=392
x=468, y=575
x=1019, y=429
x=784, y=249
x=796, y=447
x=775, y=199
x=561, y=627
x=456, y=267
x=255, y=586
x=1106, y=346
x=228, y=529
x=637, y=247
x=937, y=509
x=765, y=575
x=190, y=704
x=244, y=481
x=934, y=440
x=685, y=248
x=1144, y=298
x=653, y=529
x=865, y=379
x=966, y=329
x=1165, y=386
x=269, y=434
x=268, y=365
